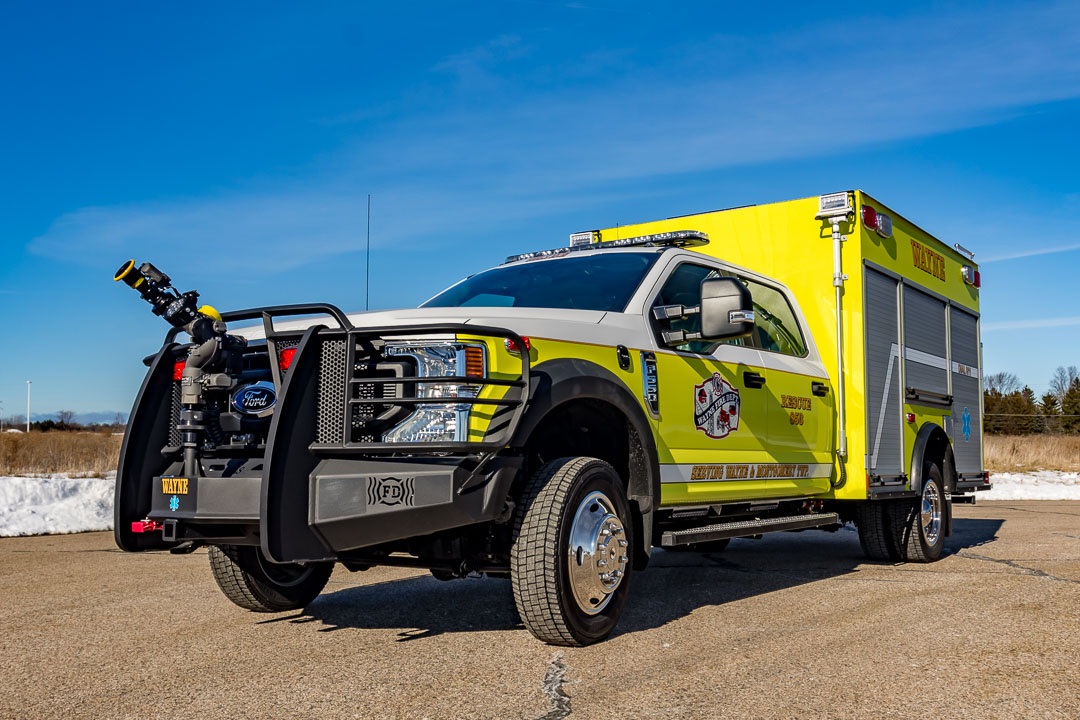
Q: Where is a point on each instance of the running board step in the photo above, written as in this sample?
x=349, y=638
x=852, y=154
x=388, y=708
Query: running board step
x=744, y=528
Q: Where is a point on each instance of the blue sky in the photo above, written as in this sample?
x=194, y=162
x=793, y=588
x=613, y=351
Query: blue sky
x=235, y=145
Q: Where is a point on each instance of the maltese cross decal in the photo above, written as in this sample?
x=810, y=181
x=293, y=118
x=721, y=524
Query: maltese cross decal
x=716, y=407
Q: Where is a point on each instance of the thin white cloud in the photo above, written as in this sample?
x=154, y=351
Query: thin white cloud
x=1030, y=324
x=1034, y=252
x=494, y=155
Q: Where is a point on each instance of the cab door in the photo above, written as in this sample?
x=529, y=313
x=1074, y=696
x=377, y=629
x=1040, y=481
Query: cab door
x=800, y=395
x=712, y=401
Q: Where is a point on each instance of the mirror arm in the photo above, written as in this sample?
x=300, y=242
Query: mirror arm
x=678, y=337
x=674, y=312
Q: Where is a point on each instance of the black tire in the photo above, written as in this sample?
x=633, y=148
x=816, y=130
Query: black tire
x=913, y=543
x=892, y=530
x=253, y=583
x=711, y=546
x=875, y=533
x=540, y=560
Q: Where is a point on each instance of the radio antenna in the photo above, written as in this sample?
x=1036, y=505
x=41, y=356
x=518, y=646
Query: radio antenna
x=367, y=262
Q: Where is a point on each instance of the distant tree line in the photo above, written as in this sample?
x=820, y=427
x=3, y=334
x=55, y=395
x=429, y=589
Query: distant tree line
x=64, y=422
x=1010, y=408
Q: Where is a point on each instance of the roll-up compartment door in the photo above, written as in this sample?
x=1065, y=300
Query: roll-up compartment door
x=967, y=428
x=885, y=431
x=926, y=352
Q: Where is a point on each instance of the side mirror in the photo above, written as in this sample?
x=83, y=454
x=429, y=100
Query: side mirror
x=727, y=310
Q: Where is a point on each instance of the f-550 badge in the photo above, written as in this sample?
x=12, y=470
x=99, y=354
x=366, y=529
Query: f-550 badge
x=716, y=407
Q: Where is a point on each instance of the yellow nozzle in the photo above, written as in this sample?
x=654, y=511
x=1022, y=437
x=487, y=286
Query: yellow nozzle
x=131, y=279
x=124, y=270
x=210, y=312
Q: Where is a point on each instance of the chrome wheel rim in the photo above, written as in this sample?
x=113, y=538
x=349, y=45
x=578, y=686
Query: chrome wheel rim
x=930, y=515
x=597, y=554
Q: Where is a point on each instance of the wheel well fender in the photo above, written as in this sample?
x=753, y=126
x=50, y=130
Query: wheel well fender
x=567, y=394
x=932, y=445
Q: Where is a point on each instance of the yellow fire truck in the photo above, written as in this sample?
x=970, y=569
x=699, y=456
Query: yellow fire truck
x=672, y=384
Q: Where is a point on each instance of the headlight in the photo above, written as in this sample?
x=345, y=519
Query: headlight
x=442, y=422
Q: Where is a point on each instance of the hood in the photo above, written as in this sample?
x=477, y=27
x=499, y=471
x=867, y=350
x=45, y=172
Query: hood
x=524, y=321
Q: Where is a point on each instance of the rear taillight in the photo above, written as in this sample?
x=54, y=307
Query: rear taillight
x=512, y=346
x=178, y=369
x=285, y=358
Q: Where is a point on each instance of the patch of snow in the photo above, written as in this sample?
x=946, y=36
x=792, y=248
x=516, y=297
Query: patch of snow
x=57, y=503
x=60, y=503
x=1038, y=485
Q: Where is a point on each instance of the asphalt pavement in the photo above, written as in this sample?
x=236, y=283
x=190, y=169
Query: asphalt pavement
x=794, y=625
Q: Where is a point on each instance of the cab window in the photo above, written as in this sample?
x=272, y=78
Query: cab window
x=775, y=326
x=683, y=287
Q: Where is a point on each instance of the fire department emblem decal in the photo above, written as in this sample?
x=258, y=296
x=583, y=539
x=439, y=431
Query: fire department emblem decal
x=390, y=491
x=716, y=407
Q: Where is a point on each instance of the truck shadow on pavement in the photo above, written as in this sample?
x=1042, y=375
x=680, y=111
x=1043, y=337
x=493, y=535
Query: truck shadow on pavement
x=673, y=586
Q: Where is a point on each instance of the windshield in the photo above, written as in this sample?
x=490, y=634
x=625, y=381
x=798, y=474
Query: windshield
x=601, y=281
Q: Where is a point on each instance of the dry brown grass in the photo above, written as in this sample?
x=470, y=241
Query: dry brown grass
x=97, y=453
x=83, y=453
x=1012, y=453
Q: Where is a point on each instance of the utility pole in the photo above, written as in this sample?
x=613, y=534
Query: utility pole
x=27, y=406
x=367, y=262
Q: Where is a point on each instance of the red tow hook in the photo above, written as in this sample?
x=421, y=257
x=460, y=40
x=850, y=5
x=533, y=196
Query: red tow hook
x=145, y=526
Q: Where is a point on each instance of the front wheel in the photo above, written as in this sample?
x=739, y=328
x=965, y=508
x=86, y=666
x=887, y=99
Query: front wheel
x=248, y=580
x=571, y=557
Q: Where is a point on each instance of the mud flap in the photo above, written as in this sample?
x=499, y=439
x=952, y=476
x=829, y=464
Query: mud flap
x=140, y=455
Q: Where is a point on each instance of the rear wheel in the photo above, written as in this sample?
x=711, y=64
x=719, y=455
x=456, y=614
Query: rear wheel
x=253, y=583
x=908, y=529
x=571, y=556
x=920, y=524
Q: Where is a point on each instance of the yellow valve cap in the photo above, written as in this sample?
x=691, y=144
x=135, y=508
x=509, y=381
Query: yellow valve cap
x=210, y=312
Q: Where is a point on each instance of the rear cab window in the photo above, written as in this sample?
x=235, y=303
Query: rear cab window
x=776, y=328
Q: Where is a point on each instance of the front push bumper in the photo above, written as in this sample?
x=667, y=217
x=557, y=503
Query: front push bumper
x=354, y=504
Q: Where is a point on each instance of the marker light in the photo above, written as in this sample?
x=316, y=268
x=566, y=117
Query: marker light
x=869, y=217
x=285, y=358
x=512, y=346
x=877, y=221
x=178, y=370
x=972, y=276
x=474, y=361
x=884, y=225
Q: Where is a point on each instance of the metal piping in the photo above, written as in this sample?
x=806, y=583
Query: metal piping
x=841, y=415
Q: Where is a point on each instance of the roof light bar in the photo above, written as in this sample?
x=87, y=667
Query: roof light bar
x=584, y=238
x=677, y=238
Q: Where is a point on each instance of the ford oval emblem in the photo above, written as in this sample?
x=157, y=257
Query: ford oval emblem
x=255, y=399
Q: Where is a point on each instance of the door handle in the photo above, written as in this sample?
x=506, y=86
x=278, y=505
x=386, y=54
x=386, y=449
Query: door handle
x=753, y=379
x=819, y=389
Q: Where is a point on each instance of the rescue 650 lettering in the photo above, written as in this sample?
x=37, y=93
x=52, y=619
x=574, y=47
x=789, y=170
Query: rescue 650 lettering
x=653, y=385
